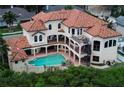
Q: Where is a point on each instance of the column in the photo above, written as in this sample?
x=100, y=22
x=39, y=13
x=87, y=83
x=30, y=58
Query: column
x=74, y=46
x=57, y=38
x=65, y=39
x=79, y=55
x=57, y=48
x=46, y=51
x=34, y=52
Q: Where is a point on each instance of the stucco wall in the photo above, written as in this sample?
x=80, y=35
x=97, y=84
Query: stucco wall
x=109, y=53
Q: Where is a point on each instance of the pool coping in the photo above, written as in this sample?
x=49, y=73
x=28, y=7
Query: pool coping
x=27, y=61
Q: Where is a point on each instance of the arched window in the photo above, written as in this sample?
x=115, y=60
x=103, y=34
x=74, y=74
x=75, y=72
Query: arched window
x=59, y=26
x=35, y=38
x=96, y=46
x=50, y=27
x=114, y=42
x=106, y=44
x=40, y=38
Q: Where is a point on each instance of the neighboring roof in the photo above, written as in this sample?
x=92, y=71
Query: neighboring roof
x=120, y=20
x=21, y=13
x=102, y=31
x=35, y=25
x=59, y=7
x=16, y=47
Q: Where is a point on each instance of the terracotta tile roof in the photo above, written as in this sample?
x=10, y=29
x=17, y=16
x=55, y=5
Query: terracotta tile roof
x=81, y=19
x=77, y=19
x=71, y=18
x=35, y=25
x=102, y=31
x=18, y=54
x=20, y=42
x=16, y=47
x=55, y=15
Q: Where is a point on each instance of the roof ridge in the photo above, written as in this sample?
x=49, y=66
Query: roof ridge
x=77, y=17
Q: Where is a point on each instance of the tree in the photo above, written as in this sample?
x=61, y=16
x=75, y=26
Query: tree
x=3, y=48
x=68, y=7
x=117, y=11
x=9, y=18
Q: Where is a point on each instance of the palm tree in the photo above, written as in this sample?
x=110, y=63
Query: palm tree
x=9, y=18
x=3, y=48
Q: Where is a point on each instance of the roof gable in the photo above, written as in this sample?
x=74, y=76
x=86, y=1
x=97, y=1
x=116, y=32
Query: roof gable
x=32, y=26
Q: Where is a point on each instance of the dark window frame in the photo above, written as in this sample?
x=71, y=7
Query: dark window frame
x=110, y=43
x=35, y=39
x=78, y=32
x=96, y=47
x=59, y=26
x=50, y=27
x=73, y=31
x=68, y=30
x=81, y=31
x=40, y=38
x=114, y=42
x=106, y=44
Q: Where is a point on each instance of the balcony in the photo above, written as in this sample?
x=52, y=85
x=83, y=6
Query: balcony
x=81, y=39
x=53, y=39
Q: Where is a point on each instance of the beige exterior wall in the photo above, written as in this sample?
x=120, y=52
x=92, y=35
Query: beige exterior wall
x=109, y=53
x=106, y=54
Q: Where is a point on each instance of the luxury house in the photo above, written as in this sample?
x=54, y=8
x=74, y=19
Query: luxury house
x=80, y=37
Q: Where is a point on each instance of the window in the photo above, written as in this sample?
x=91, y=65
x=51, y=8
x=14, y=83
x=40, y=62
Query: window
x=106, y=44
x=50, y=27
x=59, y=26
x=16, y=62
x=78, y=32
x=40, y=38
x=35, y=38
x=96, y=46
x=68, y=30
x=114, y=42
x=110, y=43
x=73, y=31
x=81, y=31
x=96, y=58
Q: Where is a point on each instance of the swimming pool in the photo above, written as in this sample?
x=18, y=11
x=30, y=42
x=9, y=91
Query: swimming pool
x=50, y=60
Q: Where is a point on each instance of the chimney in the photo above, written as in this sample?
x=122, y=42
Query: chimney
x=11, y=6
x=47, y=7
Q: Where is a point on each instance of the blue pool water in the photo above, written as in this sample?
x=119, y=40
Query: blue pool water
x=50, y=60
